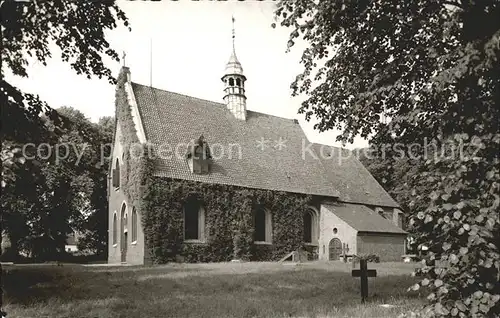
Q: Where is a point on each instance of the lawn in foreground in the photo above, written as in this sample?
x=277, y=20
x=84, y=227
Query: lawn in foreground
x=206, y=290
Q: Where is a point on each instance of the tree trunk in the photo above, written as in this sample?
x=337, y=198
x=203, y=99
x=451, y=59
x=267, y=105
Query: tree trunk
x=2, y=313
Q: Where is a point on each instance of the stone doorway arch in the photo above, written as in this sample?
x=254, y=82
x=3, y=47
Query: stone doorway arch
x=335, y=249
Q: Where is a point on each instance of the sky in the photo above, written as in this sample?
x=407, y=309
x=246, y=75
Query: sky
x=183, y=47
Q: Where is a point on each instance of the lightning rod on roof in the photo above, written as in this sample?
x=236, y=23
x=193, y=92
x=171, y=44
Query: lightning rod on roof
x=234, y=35
x=150, y=62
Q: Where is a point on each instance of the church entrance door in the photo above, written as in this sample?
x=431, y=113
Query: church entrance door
x=335, y=248
x=124, y=247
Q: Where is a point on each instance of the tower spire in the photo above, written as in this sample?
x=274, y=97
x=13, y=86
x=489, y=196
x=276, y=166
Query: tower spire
x=234, y=83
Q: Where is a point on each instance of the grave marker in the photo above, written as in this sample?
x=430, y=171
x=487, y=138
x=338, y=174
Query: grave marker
x=363, y=272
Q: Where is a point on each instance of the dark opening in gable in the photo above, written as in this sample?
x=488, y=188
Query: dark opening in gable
x=199, y=156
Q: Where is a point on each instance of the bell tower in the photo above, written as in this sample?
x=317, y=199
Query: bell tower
x=234, y=85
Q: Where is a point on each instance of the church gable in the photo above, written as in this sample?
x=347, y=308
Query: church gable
x=126, y=111
x=128, y=175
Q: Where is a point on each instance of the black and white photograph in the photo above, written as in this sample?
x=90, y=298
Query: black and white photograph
x=254, y=159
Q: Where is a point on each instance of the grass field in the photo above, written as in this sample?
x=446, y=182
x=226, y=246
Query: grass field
x=206, y=290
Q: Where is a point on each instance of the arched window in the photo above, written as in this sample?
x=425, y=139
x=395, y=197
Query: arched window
x=231, y=82
x=124, y=216
x=311, y=226
x=238, y=82
x=116, y=174
x=307, y=217
x=134, y=224
x=194, y=221
x=123, y=227
x=115, y=229
x=263, y=225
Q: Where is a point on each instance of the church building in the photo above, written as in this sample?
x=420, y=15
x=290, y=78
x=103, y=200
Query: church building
x=193, y=180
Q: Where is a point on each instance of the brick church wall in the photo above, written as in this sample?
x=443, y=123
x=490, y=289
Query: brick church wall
x=135, y=252
x=389, y=247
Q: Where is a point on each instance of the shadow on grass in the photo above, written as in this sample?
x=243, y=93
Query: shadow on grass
x=30, y=284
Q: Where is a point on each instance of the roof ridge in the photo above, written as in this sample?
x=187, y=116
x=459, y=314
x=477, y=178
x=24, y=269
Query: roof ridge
x=271, y=115
x=210, y=101
x=336, y=147
x=200, y=99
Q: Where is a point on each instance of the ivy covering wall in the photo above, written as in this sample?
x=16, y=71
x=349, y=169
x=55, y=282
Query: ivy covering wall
x=228, y=222
x=228, y=209
x=135, y=164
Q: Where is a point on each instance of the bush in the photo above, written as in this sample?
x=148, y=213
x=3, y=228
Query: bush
x=368, y=257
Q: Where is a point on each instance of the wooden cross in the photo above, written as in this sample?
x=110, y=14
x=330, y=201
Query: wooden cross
x=363, y=272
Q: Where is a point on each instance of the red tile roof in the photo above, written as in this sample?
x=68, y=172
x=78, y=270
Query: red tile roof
x=348, y=175
x=363, y=219
x=174, y=120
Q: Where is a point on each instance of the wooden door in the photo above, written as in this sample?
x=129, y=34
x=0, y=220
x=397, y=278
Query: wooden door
x=124, y=247
x=335, y=248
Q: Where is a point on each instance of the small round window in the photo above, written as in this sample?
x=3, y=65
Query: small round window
x=335, y=230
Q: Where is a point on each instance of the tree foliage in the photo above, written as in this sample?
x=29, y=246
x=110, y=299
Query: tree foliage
x=421, y=78
x=393, y=174
x=29, y=28
x=29, y=31
x=60, y=189
x=95, y=226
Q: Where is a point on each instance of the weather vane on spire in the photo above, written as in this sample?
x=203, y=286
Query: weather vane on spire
x=124, y=55
x=232, y=17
